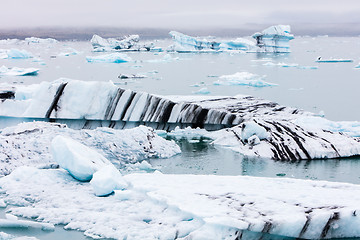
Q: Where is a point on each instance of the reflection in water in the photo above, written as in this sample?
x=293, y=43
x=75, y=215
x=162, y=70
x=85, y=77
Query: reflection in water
x=200, y=157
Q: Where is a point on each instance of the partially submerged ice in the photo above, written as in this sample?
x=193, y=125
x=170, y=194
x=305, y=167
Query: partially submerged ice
x=185, y=43
x=274, y=39
x=165, y=206
x=15, y=71
x=109, y=58
x=127, y=43
x=93, y=104
x=14, y=54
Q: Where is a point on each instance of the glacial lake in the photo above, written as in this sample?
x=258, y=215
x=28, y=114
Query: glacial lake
x=331, y=87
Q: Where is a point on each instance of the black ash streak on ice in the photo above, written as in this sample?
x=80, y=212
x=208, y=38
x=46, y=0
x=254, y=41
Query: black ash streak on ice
x=287, y=141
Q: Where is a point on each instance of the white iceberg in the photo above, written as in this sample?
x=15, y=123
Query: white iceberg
x=68, y=52
x=243, y=78
x=106, y=180
x=31, y=40
x=14, y=54
x=127, y=43
x=251, y=128
x=109, y=58
x=15, y=71
x=165, y=206
x=185, y=43
x=274, y=39
x=79, y=160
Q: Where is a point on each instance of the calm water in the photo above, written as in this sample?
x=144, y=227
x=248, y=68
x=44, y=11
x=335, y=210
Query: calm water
x=333, y=88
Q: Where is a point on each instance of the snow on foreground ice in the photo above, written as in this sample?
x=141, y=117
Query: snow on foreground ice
x=15, y=71
x=109, y=58
x=243, y=78
x=159, y=206
x=29, y=144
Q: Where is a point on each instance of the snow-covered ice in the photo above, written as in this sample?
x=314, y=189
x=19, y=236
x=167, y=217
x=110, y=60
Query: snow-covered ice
x=243, y=78
x=29, y=144
x=106, y=180
x=15, y=71
x=127, y=43
x=109, y=58
x=161, y=206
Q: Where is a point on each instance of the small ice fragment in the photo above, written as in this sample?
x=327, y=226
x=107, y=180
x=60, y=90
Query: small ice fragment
x=109, y=58
x=2, y=203
x=202, y=91
x=106, y=180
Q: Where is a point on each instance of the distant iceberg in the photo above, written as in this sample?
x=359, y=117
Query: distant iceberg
x=15, y=71
x=274, y=39
x=109, y=58
x=333, y=60
x=185, y=43
x=14, y=54
x=243, y=78
x=30, y=40
x=127, y=43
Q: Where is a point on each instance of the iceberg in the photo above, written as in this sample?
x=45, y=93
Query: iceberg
x=109, y=58
x=185, y=43
x=127, y=76
x=15, y=71
x=92, y=104
x=204, y=90
x=127, y=43
x=274, y=39
x=31, y=40
x=14, y=54
x=166, y=206
x=28, y=144
x=243, y=78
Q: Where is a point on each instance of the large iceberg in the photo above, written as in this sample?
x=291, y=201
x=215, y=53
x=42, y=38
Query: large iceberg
x=14, y=54
x=92, y=104
x=185, y=43
x=127, y=43
x=274, y=39
x=161, y=206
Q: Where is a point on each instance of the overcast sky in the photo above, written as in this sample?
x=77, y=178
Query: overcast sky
x=174, y=13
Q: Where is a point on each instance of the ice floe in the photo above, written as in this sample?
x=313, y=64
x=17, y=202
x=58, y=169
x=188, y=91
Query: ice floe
x=106, y=180
x=31, y=40
x=15, y=71
x=129, y=76
x=109, y=58
x=333, y=60
x=243, y=78
x=161, y=206
x=29, y=144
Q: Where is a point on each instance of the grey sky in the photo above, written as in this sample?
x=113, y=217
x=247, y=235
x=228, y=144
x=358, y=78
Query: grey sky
x=174, y=13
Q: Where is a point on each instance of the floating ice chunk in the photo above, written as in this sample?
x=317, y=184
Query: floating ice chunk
x=204, y=90
x=274, y=39
x=69, y=52
x=333, y=60
x=15, y=54
x=79, y=160
x=185, y=43
x=127, y=76
x=15, y=71
x=165, y=59
x=249, y=129
x=40, y=40
x=189, y=133
x=106, y=180
x=243, y=78
x=254, y=140
x=358, y=66
x=281, y=64
x=109, y=58
x=124, y=195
